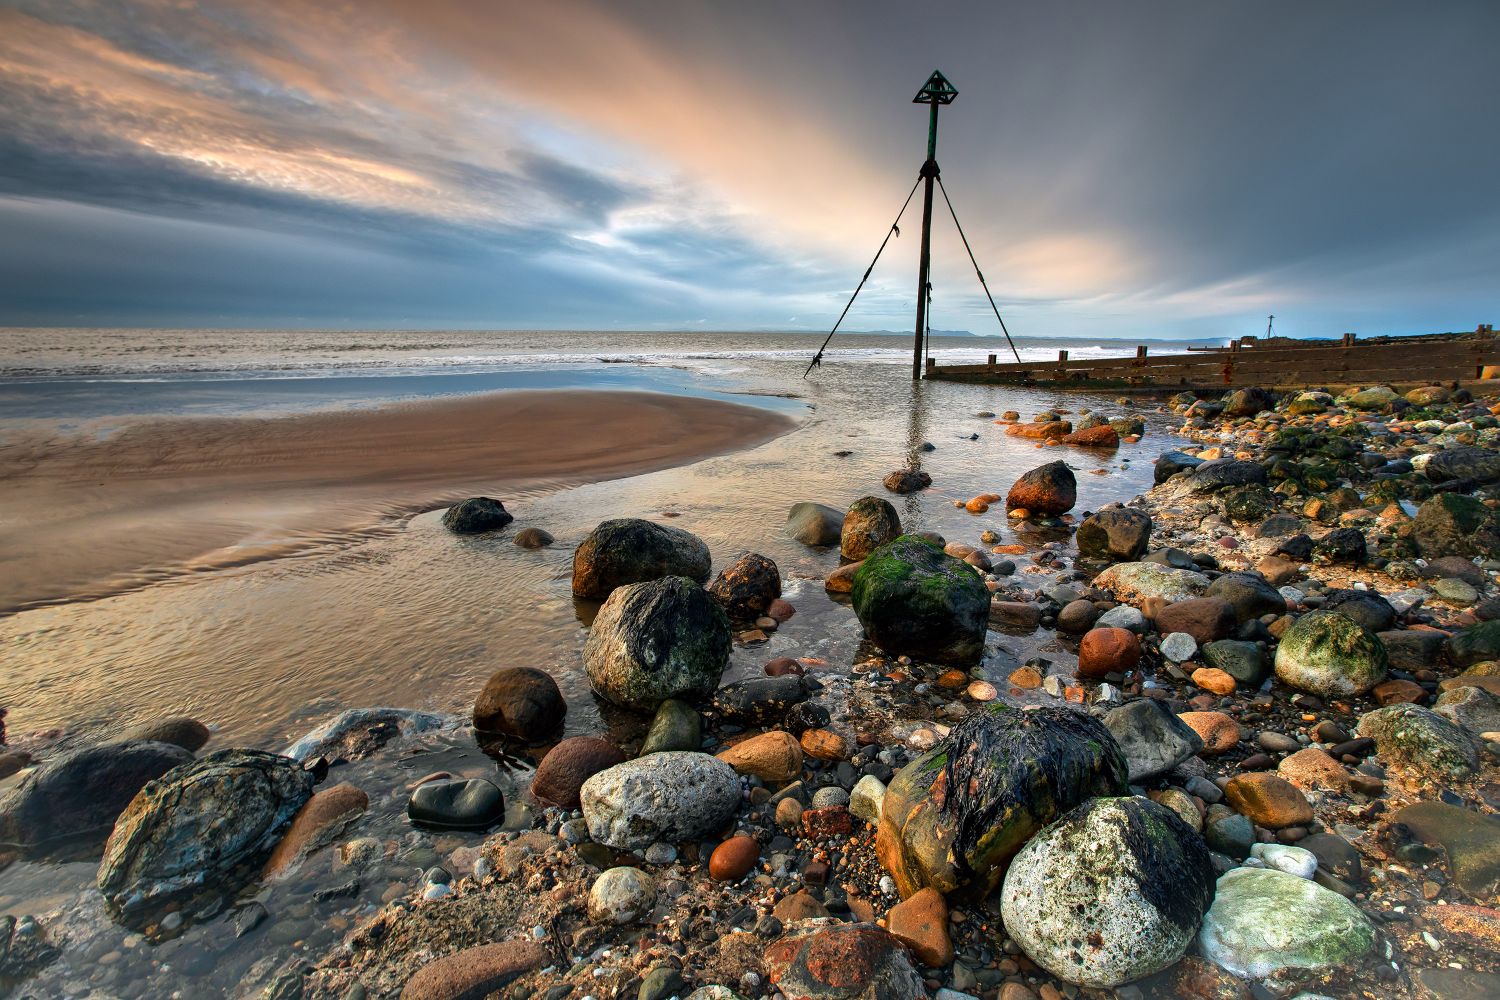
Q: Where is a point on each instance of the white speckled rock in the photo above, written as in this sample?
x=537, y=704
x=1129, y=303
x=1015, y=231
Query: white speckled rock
x=1296, y=861
x=1269, y=925
x=1125, y=875
x=1133, y=581
x=1179, y=647
x=866, y=798
x=671, y=796
x=621, y=896
x=1124, y=617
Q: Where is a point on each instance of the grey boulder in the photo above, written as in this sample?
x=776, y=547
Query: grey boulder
x=671, y=796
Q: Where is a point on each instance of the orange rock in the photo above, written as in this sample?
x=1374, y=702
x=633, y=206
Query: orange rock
x=841, y=580
x=317, y=824
x=1153, y=606
x=976, y=506
x=824, y=745
x=773, y=757
x=1009, y=550
x=1027, y=678
x=1476, y=926
x=1399, y=692
x=1213, y=679
x=953, y=679
x=734, y=858
x=1271, y=801
x=1108, y=650
x=1102, y=436
x=1313, y=770
x=921, y=923
x=1219, y=732
x=1039, y=429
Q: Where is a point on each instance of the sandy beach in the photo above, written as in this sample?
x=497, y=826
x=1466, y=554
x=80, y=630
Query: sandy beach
x=95, y=511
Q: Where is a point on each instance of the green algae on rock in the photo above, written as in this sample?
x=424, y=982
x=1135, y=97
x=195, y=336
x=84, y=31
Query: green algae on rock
x=1126, y=875
x=914, y=599
x=1421, y=742
x=1328, y=654
x=1271, y=925
x=953, y=818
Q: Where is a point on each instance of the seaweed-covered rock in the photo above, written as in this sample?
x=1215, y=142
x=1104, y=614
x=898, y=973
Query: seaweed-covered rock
x=1047, y=489
x=1452, y=524
x=657, y=640
x=672, y=796
x=1248, y=504
x=953, y=818
x=1126, y=875
x=870, y=523
x=746, y=587
x=1327, y=654
x=476, y=515
x=1117, y=534
x=1421, y=742
x=1476, y=465
x=1273, y=926
x=630, y=550
x=815, y=523
x=1153, y=740
x=206, y=825
x=1134, y=581
x=1222, y=473
x=73, y=799
x=914, y=599
x=842, y=961
x=1341, y=545
x=1476, y=644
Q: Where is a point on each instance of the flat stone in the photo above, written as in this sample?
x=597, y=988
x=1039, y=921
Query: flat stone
x=475, y=973
x=1471, y=839
x=1268, y=800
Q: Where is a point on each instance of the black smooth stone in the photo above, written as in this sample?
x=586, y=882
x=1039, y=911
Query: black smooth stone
x=469, y=804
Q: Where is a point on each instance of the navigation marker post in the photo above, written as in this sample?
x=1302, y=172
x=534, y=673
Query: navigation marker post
x=936, y=92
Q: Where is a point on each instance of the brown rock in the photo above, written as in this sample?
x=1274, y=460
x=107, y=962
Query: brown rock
x=798, y=906
x=1476, y=926
x=1269, y=801
x=1218, y=731
x=1108, y=650
x=1278, y=571
x=841, y=580
x=1041, y=430
x=1026, y=678
x=1016, y=991
x=1399, y=692
x=190, y=734
x=921, y=923
x=1313, y=770
x=781, y=610
x=475, y=973
x=568, y=765
x=1102, y=436
x=523, y=702
x=1213, y=679
x=320, y=820
x=1206, y=619
x=746, y=587
x=1047, y=489
x=835, y=821
x=773, y=757
x=732, y=859
x=789, y=813
x=1196, y=978
x=784, y=665
x=824, y=745
x=1016, y=614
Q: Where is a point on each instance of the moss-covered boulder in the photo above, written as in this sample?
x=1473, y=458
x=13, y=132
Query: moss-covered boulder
x=953, y=818
x=630, y=550
x=1274, y=926
x=1248, y=504
x=1451, y=524
x=1476, y=644
x=913, y=599
x=869, y=523
x=1115, y=534
x=657, y=640
x=1124, y=874
x=1421, y=742
x=1329, y=655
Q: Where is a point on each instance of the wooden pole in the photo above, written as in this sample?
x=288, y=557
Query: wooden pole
x=924, y=265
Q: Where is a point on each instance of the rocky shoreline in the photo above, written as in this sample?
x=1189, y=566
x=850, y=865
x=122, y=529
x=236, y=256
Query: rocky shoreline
x=1254, y=753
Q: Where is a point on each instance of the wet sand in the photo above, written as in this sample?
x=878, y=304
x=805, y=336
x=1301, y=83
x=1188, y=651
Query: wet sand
x=91, y=511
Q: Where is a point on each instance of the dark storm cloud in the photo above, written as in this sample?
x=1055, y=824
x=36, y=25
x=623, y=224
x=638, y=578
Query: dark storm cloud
x=1153, y=168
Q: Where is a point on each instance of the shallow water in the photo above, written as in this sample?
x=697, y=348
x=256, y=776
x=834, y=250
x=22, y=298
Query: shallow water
x=414, y=616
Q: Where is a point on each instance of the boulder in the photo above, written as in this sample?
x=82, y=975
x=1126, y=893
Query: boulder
x=205, y=826
x=1153, y=740
x=1115, y=534
x=1247, y=402
x=746, y=587
x=1105, y=651
x=317, y=824
x=1101, y=436
x=1222, y=473
x=475, y=972
x=1375, y=398
x=1251, y=504
x=181, y=731
x=73, y=799
x=1273, y=926
x=1341, y=546
x=561, y=774
x=672, y=796
x=1249, y=595
x=1047, y=489
x=1327, y=654
x=759, y=701
x=1135, y=581
x=1244, y=661
x=1475, y=709
x=1206, y=619
x=870, y=523
x=843, y=961
x=652, y=641
x=1476, y=644
x=1169, y=463
x=953, y=818
x=476, y=515
x=1365, y=608
x=1452, y=524
x=676, y=726
x=630, y=550
x=1476, y=465
x=905, y=481
x=523, y=702
x=915, y=600
x=1413, y=649
x=815, y=523
x=460, y=804
x=1126, y=875
x=1421, y=742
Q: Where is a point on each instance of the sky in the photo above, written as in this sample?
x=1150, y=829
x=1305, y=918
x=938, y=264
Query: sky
x=1162, y=168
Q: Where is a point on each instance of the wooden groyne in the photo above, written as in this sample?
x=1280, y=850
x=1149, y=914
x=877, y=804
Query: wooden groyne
x=1279, y=363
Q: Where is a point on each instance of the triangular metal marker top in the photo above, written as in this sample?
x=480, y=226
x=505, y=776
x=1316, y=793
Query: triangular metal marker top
x=937, y=90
